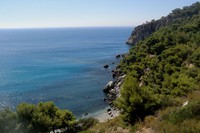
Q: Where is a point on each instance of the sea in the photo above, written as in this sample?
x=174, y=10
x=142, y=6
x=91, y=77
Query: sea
x=63, y=65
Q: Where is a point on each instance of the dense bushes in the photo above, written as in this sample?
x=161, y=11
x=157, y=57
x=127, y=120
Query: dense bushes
x=44, y=117
x=191, y=111
x=41, y=118
x=30, y=118
x=165, y=64
x=87, y=123
x=178, y=119
x=136, y=102
x=8, y=121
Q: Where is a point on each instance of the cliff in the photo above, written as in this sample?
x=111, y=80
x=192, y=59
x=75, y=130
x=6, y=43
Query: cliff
x=146, y=29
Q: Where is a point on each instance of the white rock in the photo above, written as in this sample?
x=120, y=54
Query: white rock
x=185, y=103
x=109, y=86
x=119, y=84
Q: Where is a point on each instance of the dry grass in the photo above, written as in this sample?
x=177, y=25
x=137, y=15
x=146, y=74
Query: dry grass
x=161, y=124
x=116, y=125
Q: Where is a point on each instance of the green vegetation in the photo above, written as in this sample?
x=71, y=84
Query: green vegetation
x=182, y=119
x=88, y=123
x=162, y=71
x=136, y=102
x=8, y=121
x=173, y=20
x=115, y=125
x=30, y=118
x=162, y=68
x=41, y=118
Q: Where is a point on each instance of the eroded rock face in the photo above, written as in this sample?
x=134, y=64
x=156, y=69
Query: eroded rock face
x=142, y=31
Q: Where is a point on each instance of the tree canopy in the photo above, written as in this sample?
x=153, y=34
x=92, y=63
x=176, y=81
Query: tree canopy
x=31, y=118
x=166, y=65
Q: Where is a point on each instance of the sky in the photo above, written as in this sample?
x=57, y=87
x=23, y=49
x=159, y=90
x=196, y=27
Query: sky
x=83, y=13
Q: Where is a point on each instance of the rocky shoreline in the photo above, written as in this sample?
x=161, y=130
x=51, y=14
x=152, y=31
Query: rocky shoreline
x=112, y=92
x=112, y=88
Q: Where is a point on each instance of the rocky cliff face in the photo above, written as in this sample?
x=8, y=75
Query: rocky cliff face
x=144, y=30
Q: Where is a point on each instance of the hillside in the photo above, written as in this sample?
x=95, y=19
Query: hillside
x=177, y=15
x=161, y=90
x=163, y=66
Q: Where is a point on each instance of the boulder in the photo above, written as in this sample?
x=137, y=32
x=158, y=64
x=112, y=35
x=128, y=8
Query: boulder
x=105, y=99
x=109, y=86
x=118, y=56
x=185, y=103
x=108, y=110
x=121, y=77
x=110, y=103
x=106, y=66
x=112, y=91
x=114, y=75
x=117, y=89
x=85, y=114
x=119, y=84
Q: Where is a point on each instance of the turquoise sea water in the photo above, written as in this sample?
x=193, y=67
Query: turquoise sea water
x=63, y=65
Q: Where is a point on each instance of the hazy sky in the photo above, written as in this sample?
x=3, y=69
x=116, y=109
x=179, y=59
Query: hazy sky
x=83, y=13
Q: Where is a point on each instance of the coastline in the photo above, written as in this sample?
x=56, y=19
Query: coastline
x=103, y=115
x=112, y=91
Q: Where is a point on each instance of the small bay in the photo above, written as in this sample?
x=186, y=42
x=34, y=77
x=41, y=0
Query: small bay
x=63, y=65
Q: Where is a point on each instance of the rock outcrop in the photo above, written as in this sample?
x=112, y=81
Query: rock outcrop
x=109, y=86
x=142, y=31
x=113, y=88
x=106, y=66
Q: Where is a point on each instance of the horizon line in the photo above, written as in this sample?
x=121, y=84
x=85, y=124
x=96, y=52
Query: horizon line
x=10, y=28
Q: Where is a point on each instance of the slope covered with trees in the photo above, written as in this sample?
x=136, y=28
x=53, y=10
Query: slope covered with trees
x=146, y=29
x=163, y=67
x=162, y=86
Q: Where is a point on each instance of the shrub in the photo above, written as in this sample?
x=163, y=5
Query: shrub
x=8, y=121
x=44, y=117
x=136, y=102
x=190, y=111
x=87, y=123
